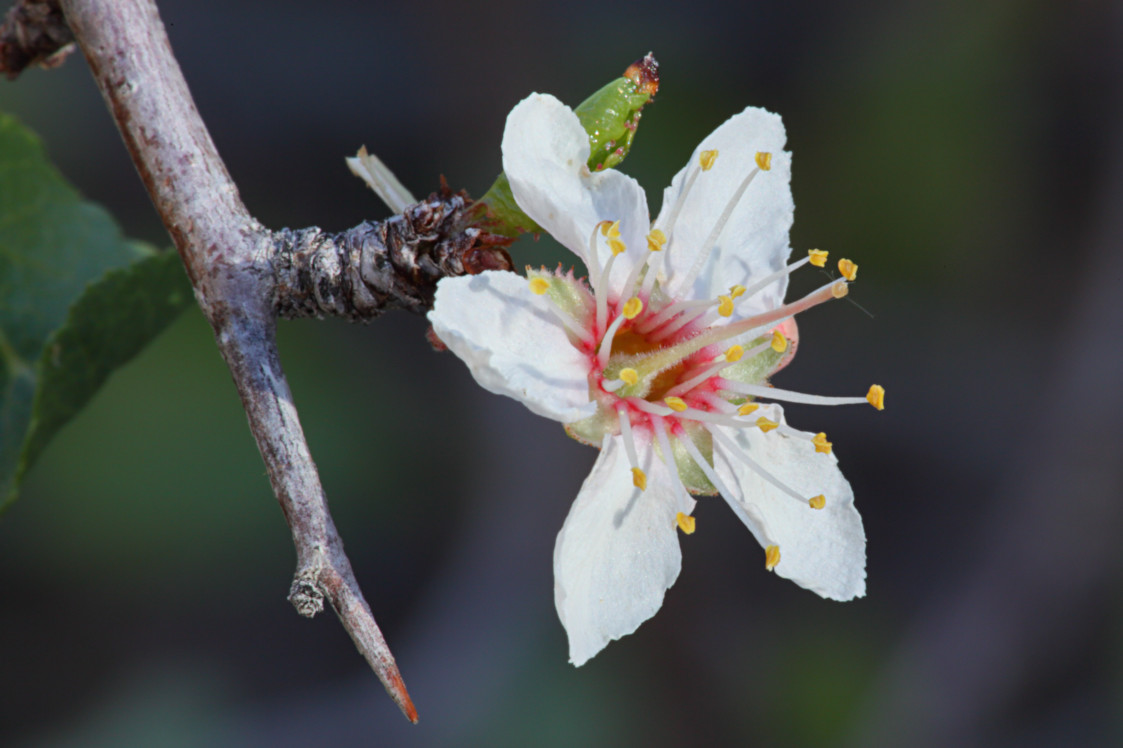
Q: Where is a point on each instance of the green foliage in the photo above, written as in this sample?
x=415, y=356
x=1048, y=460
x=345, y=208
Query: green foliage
x=610, y=117
x=77, y=300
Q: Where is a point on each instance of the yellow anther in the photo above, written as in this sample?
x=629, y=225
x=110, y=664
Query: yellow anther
x=604, y=227
x=734, y=353
x=539, y=285
x=765, y=425
x=736, y=291
x=676, y=404
x=764, y=160
x=818, y=257
x=629, y=376
x=817, y=502
x=655, y=240
x=614, y=230
x=779, y=342
x=821, y=443
x=747, y=408
x=840, y=289
x=632, y=307
x=725, y=306
x=876, y=396
x=771, y=557
x=639, y=479
x=706, y=159
x=618, y=247
x=685, y=523
x=848, y=269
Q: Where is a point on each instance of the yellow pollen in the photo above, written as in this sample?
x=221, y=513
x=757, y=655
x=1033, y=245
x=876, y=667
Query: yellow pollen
x=821, y=443
x=817, y=502
x=614, y=230
x=747, y=408
x=685, y=523
x=632, y=307
x=734, y=353
x=655, y=240
x=725, y=307
x=876, y=396
x=736, y=291
x=539, y=286
x=618, y=247
x=676, y=404
x=629, y=376
x=771, y=557
x=779, y=342
x=706, y=159
x=840, y=289
x=818, y=257
x=604, y=227
x=765, y=425
x=639, y=479
x=848, y=269
x=764, y=160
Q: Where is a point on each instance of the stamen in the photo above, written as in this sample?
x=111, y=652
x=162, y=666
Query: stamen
x=708, y=371
x=771, y=277
x=605, y=349
x=838, y=290
x=764, y=160
x=609, y=229
x=675, y=403
x=669, y=459
x=847, y=269
x=539, y=286
x=747, y=409
x=639, y=479
x=735, y=449
x=817, y=502
x=766, y=425
x=725, y=306
x=706, y=467
x=669, y=311
x=707, y=246
x=629, y=375
x=779, y=342
x=876, y=396
x=593, y=261
x=771, y=557
x=817, y=257
x=655, y=240
x=706, y=159
x=772, y=393
x=685, y=523
x=821, y=443
x=736, y=291
x=648, y=407
x=632, y=307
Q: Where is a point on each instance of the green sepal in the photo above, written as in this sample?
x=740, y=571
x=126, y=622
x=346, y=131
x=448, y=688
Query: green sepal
x=610, y=117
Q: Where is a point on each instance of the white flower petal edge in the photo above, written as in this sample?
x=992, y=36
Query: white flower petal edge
x=512, y=344
x=755, y=240
x=545, y=150
x=617, y=553
x=823, y=551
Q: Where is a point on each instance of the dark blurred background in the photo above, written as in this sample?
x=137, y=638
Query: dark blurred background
x=968, y=155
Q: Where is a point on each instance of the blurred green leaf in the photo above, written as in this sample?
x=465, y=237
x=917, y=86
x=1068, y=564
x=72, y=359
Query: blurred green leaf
x=77, y=300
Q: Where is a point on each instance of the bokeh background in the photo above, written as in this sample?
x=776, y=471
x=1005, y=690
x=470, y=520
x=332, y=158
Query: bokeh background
x=968, y=155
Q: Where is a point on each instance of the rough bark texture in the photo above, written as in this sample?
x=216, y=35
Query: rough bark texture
x=34, y=33
x=244, y=276
x=376, y=266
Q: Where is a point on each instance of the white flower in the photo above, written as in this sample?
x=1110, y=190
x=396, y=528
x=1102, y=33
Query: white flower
x=660, y=360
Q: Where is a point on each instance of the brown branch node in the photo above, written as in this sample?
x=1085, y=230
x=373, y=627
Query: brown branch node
x=393, y=264
x=34, y=32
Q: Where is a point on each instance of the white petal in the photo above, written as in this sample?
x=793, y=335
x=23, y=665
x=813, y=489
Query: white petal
x=754, y=241
x=512, y=344
x=823, y=550
x=545, y=150
x=617, y=553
